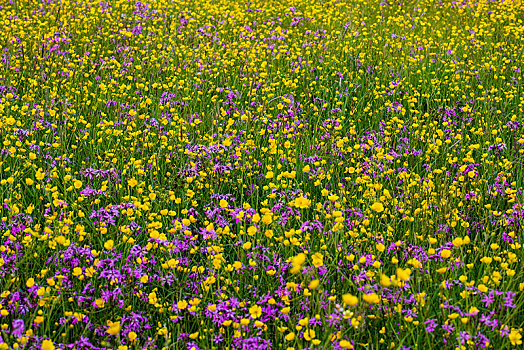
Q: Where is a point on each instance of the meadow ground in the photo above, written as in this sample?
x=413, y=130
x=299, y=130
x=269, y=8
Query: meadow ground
x=261, y=175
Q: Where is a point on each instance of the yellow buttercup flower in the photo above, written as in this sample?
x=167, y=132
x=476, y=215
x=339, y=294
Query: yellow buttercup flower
x=350, y=299
x=378, y=207
x=48, y=345
x=255, y=311
x=318, y=259
x=371, y=298
x=114, y=328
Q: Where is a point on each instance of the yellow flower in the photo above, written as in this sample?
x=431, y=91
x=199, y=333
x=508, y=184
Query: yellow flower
x=114, y=328
x=193, y=335
x=385, y=281
x=333, y=197
x=486, y=260
x=109, y=244
x=350, y=299
x=515, y=337
x=344, y=344
x=30, y=282
x=182, y=304
x=255, y=311
x=457, y=242
x=267, y=219
x=30, y=208
x=318, y=259
x=313, y=284
x=131, y=336
x=442, y=270
x=297, y=262
x=77, y=184
x=309, y=334
x=378, y=207
x=132, y=182
x=403, y=275
x=48, y=345
x=285, y=310
x=302, y=202
x=445, y=253
x=482, y=288
x=371, y=298
x=100, y=302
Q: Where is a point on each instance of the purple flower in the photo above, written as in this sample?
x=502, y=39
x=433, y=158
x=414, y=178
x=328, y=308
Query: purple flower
x=481, y=340
x=18, y=328
x=463, y=337
x=431, y=324
x=448, y=328
x=256, y=343
x=504, y=331
x=193, y=346
x=509, y=299
x=111, y=274
x=488, y=299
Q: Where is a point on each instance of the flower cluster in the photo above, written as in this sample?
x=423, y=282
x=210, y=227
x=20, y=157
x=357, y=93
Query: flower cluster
x=338, y=174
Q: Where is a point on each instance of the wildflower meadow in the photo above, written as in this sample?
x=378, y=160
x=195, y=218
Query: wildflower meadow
x=294, y=174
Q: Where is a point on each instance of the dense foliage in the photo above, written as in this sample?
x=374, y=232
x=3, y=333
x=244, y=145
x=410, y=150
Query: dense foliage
x=261, y=175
